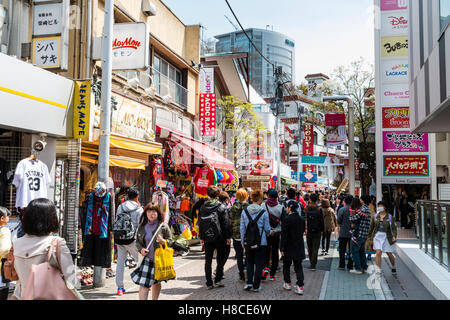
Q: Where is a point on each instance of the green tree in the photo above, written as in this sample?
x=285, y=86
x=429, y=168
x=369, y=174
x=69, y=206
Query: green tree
x=354, y=80
x=241, y=118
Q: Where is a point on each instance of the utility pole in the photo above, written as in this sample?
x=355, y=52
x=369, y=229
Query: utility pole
x=299, y=141
x=276, y=106
x=105, y=116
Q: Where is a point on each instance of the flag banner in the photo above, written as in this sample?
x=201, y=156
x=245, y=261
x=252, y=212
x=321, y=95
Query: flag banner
x=336, y=129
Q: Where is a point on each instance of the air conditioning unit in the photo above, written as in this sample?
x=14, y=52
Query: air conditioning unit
x=148, y=8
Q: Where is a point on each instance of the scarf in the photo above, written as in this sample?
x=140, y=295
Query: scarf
x=103, y=211
x=271, y=202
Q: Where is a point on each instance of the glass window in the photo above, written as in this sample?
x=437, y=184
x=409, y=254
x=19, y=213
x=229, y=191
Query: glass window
x=445, y=13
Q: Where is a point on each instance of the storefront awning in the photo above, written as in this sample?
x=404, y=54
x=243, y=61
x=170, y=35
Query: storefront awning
x=127, y=164
x=208, y=155
x=150, y=148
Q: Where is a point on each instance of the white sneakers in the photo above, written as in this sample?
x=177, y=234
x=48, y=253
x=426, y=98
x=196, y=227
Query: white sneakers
x=287, y=286
x=298, y=290
x=354, y=271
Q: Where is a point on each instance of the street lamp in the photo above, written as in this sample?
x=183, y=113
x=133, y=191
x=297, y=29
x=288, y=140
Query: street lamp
x=351, y=137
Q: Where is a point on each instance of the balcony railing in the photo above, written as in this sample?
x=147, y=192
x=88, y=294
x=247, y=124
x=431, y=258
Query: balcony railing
x=166, y=87
x=434, y=234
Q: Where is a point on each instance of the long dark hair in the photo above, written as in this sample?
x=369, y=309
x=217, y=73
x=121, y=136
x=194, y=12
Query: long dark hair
x=356, y=204
x=150, y=207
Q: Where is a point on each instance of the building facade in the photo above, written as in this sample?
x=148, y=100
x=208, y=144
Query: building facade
x=277, y=47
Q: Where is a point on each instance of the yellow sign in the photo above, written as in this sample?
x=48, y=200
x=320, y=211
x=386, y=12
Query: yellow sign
x=394, y=46
x=81, y=109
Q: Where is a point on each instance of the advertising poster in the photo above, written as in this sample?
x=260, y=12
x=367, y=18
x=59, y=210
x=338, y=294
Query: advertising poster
x=405, y=141
x=336, y=129
x=308, y=177
x=207, y=114
x=262, y=167
x=207, y=80
x=256, y=148
x=395, y=118
x=406, y=166
x=388, y=5
x=396, y=46
x=308, y=146
x=395, y=95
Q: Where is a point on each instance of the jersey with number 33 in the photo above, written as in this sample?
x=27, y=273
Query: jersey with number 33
x=31, y=179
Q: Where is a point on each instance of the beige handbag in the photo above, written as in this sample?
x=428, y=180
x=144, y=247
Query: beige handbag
x=46, y=282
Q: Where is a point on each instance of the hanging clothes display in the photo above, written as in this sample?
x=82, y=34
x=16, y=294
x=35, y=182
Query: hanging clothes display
x=162, y=200
x=158, y=169
x=233, y=183
x=202, y=180
x=97, y=231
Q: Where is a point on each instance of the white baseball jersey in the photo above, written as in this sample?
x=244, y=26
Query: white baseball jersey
x=31, y=180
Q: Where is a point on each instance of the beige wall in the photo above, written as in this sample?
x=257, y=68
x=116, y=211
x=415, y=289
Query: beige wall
x=443, y=152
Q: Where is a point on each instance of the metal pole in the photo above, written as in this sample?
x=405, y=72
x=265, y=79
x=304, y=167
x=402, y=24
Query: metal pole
x=328, y=170
x=351, y=146
x=105, y=116
x=277, y=130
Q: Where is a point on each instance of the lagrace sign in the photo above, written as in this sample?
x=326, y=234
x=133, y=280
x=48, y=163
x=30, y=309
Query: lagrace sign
x=130, y=48
x=394, y=70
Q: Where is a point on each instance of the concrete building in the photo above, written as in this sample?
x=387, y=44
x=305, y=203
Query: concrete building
x=277, y=47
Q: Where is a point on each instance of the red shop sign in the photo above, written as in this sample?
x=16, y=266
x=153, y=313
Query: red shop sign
x=396, y=118
x=406, y=166
x=207, y=114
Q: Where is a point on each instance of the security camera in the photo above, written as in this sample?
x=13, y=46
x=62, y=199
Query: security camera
x=39, y=145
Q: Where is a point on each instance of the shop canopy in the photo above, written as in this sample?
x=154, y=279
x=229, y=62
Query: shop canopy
x=207, y=154
x=127, y=164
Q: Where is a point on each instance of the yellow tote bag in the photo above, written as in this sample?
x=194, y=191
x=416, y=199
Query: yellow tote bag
x=164, y=269
x=187, y=234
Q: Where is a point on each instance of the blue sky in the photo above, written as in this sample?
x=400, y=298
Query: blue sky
x=328, y=33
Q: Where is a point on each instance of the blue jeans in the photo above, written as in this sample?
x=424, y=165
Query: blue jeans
x=358, y=252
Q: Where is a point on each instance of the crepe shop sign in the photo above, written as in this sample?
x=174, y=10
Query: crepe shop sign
x=404, y=141
x=396, y=118
x=406, y=166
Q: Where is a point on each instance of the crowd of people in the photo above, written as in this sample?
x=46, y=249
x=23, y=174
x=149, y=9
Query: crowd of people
x=264, y=228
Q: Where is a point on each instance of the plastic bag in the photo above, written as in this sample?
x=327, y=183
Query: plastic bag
x=164, y=269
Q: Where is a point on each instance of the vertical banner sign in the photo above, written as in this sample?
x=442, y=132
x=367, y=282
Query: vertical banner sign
x=207, y=80
x=336, y=130
x=81, y=109
x=308, y=146
x=207, y=114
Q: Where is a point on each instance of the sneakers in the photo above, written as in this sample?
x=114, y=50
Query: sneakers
x=313, y=268
x=298, y=290
x=265, y=273
x=220, y=284
x=210, y=287
x=248, y=287
x=184, y=254
x=354, y=271
x=326, y=253
x=287, y=286
x=340, y=268
x=121, y=291
x=272, y=278
x=394, y=271
x=255, y=289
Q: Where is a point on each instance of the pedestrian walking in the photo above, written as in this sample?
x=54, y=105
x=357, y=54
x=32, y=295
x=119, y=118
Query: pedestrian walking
x=214, y=234
x=383, y=232
x=39, y=223
x=235, y=223
x=315, y=227
x=343, y=220
x=292, y=247
x=5, y=246
x=255, y=228
x=127, y=222
x=151, y=226
x=224, y=198
x=360, y=216
x=277, y=213
x=330, y=224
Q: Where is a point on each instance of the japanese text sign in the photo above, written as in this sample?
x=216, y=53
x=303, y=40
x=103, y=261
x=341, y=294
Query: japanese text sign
x=46, y=52
x=396, y=46
x=81, y=109
x=396, y=118
x=336, y=130
x=47, y=19
x=404, y=141
x=207, y=114
x=406, y=166
x=308, y=146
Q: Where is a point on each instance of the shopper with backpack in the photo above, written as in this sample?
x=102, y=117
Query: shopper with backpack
x=277, y=213
x=383, y=232
x=125, y=226
x=255, y=228
x=343, y=219
x=214, y=234
x=235, y=223
x=292, y=247
x=315, y=226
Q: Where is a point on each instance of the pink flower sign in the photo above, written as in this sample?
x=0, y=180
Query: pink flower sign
x=389, y=5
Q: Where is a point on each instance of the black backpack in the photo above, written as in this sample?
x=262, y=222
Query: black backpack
x=123, y=227
x=209, y=226
x=313, y=219
x=273, y=220
x=252, y=238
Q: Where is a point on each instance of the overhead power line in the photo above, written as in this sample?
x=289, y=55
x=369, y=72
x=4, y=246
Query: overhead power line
x=254, y=46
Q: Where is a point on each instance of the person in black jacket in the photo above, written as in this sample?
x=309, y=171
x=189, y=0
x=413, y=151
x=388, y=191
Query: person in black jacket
x=292, y=246
x=214, y=234
x=343, y=220
x=315, y=227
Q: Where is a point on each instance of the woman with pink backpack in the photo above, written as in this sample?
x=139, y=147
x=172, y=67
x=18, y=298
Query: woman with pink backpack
x=383, y=232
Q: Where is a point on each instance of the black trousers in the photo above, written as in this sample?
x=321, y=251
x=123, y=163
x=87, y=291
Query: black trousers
x=313, y=242
x=298, y=268
x=343, y=242
x=241, y=263
x=273, y=247
x=220, y=246
x=326, y=236
x=255, y=265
